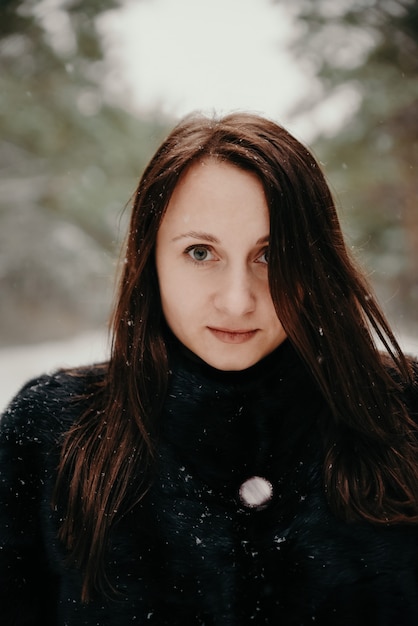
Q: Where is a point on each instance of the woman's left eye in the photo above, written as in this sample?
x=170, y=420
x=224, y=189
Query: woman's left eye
x=199, y=254
x=264, y=257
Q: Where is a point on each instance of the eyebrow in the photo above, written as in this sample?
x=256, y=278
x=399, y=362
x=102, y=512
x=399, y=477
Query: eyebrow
x=194, y=234
x=208, y=237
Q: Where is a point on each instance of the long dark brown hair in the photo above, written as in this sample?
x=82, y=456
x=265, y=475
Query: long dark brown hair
x=325, y=306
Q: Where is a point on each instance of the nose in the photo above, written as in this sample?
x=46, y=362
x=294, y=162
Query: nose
x=236, y=292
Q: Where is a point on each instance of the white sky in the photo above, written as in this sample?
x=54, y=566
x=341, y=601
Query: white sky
x=212, y=55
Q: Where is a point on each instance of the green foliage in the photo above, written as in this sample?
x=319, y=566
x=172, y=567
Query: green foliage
x=69, y=162
x=372, y=161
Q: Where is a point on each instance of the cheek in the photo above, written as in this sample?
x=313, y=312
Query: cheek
x=181, y=296
x=271, y=314
x=265, y=297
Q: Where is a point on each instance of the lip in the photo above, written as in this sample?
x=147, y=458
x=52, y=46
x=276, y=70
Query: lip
x=229, y=335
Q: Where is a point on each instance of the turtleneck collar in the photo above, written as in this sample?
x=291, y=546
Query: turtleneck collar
x=231, y=425
x=281, y=358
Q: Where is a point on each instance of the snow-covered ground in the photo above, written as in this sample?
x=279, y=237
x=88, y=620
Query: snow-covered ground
x=18, y=365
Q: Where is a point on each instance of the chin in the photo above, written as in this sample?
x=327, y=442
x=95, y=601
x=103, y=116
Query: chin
x=229, y=364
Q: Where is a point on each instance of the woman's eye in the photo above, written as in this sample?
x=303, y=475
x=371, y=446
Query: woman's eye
x=264, y=258
x=199, y=254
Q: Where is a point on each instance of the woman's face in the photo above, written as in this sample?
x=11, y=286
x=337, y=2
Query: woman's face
x=211, y=258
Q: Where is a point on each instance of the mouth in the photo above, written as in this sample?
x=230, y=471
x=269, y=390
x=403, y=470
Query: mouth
x=228, y=335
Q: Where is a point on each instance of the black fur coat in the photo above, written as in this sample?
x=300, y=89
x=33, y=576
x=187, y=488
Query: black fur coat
x=193, y=552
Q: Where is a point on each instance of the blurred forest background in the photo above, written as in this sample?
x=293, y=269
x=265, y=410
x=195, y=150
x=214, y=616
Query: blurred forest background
x=70, y=157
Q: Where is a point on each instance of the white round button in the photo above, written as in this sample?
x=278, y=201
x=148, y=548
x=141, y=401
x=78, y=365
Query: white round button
x=256, y=492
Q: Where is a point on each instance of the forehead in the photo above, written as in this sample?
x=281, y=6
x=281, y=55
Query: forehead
x=216, y=191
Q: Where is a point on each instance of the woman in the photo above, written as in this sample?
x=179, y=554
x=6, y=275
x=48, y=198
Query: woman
x=247, y=455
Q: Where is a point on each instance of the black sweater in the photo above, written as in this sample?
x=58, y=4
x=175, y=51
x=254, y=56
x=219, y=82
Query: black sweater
x=193, y=551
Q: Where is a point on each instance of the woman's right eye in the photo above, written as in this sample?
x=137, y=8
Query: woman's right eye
x=199, y=254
